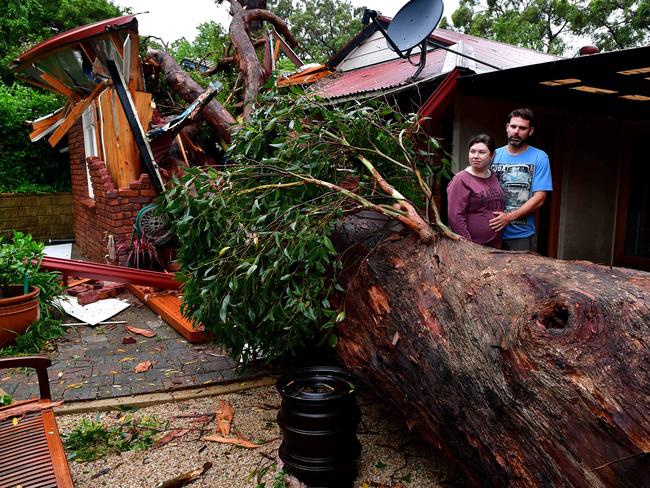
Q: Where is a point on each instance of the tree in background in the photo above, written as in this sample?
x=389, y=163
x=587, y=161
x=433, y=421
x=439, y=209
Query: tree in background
x=535, y=24
x=615, y=24
x=321, y=27
x=544, y=25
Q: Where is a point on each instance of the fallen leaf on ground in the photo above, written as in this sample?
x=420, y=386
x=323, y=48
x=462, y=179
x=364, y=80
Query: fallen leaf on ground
x=126, y=358
x=143, y=366
x=225, y=416
x=235, y=441
x=128, y=340
x=172, y=435
x=142, y=332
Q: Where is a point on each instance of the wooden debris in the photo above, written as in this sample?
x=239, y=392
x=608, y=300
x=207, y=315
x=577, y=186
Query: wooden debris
x=185, y=478
x=143, y=366
x=142, y=332
x=233, y=440
x=30, y=407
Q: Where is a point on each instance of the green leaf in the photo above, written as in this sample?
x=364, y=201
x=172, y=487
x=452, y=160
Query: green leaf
x=224, y=307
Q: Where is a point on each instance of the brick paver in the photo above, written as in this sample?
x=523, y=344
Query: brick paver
x=92, y=363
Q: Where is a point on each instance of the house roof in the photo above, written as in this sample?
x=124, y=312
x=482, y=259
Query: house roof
x=618, y=80
x=75, y=35
x=396, y=74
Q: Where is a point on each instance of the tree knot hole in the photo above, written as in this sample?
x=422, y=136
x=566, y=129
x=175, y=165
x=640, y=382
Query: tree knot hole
x=554, y=316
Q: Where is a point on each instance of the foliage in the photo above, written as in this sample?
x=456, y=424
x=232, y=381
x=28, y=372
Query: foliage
x=37, y=337
x=20, y=259
x=211, y=39
x=5, y=400
x=91, y=440
x=24, y=166
x=535, y=24
x=259, y=266
x=614, y=24
x=321, y=27
x=544, y=25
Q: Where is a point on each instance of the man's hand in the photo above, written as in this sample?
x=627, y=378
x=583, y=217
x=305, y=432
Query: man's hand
x=500, y=221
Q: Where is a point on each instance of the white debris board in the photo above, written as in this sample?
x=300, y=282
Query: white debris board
x=93, y=313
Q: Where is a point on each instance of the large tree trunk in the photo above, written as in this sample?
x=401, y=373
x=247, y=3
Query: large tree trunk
x=525, y=370
x=182, y=84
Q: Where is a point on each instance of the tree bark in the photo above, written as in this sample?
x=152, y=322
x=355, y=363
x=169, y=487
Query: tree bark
x=183, y=84
x=524, y=370
x=245, y=54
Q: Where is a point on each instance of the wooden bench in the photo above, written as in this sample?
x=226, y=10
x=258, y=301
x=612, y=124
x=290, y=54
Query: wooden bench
x=31, y=451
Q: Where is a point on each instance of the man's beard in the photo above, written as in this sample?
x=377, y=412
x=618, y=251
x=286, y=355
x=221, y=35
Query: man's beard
x=517, y=141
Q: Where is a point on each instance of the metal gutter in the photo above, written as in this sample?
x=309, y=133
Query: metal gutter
x=118, y=274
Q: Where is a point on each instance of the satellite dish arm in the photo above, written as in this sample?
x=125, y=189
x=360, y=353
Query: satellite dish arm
x=372, y=15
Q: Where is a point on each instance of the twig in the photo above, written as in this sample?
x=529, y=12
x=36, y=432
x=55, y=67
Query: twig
x=621, y=459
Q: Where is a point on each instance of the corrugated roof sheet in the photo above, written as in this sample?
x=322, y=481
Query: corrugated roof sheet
x=397, y=73
x=378, y=77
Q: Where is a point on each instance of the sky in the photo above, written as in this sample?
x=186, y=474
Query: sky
x=173, y=19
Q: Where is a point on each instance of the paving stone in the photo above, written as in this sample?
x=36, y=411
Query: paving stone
x=94, y=358
x=83, y=393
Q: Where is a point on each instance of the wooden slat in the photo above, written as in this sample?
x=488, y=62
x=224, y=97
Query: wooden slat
x=57, y=85
x=89, y=51
x=61, y=469
x=144, y=105
x=168, y=306
x=117, y=42
x=74, y=114
x=136, y=83
x=47, y=121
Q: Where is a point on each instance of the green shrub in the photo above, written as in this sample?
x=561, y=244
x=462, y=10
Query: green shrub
x=27, y=167
x=19, y=261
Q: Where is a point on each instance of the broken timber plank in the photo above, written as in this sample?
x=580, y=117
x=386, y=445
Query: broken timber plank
x=169, y=308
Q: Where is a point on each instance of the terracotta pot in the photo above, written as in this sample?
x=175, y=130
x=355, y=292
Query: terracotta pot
x=17, y=313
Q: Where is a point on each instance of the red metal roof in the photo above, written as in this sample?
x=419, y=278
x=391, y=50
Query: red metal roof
x=75, y=35
x=397, y=73
x=379, y=76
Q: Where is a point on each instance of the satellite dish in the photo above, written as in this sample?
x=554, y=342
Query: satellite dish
x=414, y=22
x=412, y=25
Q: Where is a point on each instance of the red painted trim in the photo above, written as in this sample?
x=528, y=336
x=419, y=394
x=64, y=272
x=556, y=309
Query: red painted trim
x=440, y=99
x=119, y=274
x=75, y=35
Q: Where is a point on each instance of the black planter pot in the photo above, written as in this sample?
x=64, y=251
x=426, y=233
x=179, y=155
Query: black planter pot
x=319, y=417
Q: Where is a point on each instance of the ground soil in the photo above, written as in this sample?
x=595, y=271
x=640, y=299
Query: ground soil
x=392, y=456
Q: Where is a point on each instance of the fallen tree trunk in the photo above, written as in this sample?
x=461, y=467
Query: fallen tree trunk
x=182, y=84
x=524, y=370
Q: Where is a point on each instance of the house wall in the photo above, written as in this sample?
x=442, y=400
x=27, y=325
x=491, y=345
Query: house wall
x=111, y=212
x=589, y=190
x=43, y=216
x=373, y=51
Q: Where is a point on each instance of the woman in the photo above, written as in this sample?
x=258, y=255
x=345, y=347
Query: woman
x=474, y=194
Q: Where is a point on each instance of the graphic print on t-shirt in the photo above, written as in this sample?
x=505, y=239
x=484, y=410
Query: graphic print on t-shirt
x=516, y=180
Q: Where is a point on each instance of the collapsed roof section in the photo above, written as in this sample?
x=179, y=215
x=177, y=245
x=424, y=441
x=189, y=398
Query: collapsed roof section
x=75, y=64
x=97, y=67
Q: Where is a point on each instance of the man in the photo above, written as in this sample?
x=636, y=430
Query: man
x=525, y=176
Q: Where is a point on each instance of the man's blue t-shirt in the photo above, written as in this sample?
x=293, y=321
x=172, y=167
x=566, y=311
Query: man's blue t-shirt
x=521, y=176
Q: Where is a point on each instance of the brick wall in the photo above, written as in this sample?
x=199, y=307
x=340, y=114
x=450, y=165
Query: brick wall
x=112, y=211
x=43, y=216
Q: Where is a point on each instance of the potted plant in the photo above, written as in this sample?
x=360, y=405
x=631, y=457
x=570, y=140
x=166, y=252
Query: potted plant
x=21, y=284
